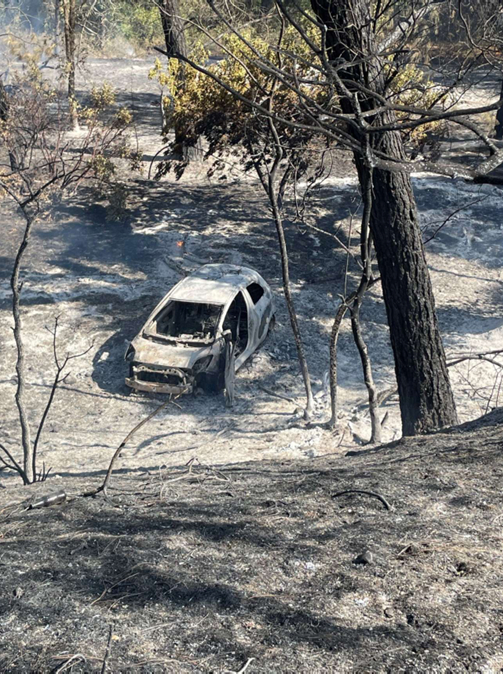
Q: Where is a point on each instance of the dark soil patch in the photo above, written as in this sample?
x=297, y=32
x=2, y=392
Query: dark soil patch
x=201, y=571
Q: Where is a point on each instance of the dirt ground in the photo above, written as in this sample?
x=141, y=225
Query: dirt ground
x=266, y=563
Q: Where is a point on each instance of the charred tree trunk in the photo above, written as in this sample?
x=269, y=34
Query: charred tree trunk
x=29, y=474
x=290, y=304
x=334, y=337
x=375, y=436
x=174, y=37
x=4, y=116
x=275, y=193
x=498, y=129
x=426, y=400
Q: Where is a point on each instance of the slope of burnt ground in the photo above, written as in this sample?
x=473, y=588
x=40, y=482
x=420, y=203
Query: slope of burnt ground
x=195, y=569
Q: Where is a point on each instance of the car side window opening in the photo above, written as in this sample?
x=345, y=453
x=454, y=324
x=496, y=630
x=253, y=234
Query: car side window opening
x=188, y=319
x=237, y=322
x=255, y=291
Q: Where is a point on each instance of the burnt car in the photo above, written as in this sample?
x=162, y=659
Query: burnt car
x=181, y=347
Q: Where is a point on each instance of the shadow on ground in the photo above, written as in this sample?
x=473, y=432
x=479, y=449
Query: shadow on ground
x=201, y=571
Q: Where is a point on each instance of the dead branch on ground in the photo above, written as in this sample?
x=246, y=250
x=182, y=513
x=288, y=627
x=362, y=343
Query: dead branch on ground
x=103, y=487
x=108, y=650
x=275, y=394
x=367, y=493
x=70, y=662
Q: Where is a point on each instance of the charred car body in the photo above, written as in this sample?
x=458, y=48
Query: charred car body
x=182, y=344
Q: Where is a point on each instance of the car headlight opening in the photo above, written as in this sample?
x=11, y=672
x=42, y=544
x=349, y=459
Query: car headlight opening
x=130, y=353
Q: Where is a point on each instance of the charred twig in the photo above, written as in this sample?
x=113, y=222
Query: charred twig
x=108, y=650
x=188, y=473
x=16, y=286
x=275, y=394
x=275, y=195
x=14, y=465
x=367, y=373
x=104, y=485
x=214, y=436
x=15, y=527
x=60, y=367
x=107, y=589
x=334, y=336
x=70, y=662
x=404, y=550
x=478, y=356
x=367, y=493
x=243, y=668
x=452, y=215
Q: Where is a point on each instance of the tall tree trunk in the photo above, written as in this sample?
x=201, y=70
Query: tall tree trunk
x=174, y=37
x=70, y=27
x=426, y=400
x=57, y=24
x=173, y=28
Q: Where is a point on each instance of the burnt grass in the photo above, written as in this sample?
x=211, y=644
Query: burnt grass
x=200, y=570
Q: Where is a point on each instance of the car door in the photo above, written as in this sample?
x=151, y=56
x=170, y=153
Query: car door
x=260, y=299
x=240, y=321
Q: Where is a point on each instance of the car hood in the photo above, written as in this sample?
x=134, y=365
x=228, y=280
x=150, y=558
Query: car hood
x=149, y=352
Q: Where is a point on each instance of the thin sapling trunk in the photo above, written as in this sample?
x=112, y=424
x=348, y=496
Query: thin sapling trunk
x=278, y=221
x=367, y=372
x=365, y=248
x=334, y=336
x=28, y=455
x=290, y=303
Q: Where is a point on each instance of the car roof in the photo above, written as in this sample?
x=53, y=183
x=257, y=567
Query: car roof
x=215, y=284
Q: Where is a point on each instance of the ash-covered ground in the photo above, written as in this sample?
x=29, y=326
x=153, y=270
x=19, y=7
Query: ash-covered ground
x=268, y=565
x=103, y=278
x=225, y=544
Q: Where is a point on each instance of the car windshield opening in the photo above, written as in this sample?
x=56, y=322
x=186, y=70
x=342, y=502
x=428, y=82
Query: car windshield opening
x=187, y=321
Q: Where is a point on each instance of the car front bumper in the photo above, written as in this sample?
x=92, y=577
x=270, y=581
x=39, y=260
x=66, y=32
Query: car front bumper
x=160, y=380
